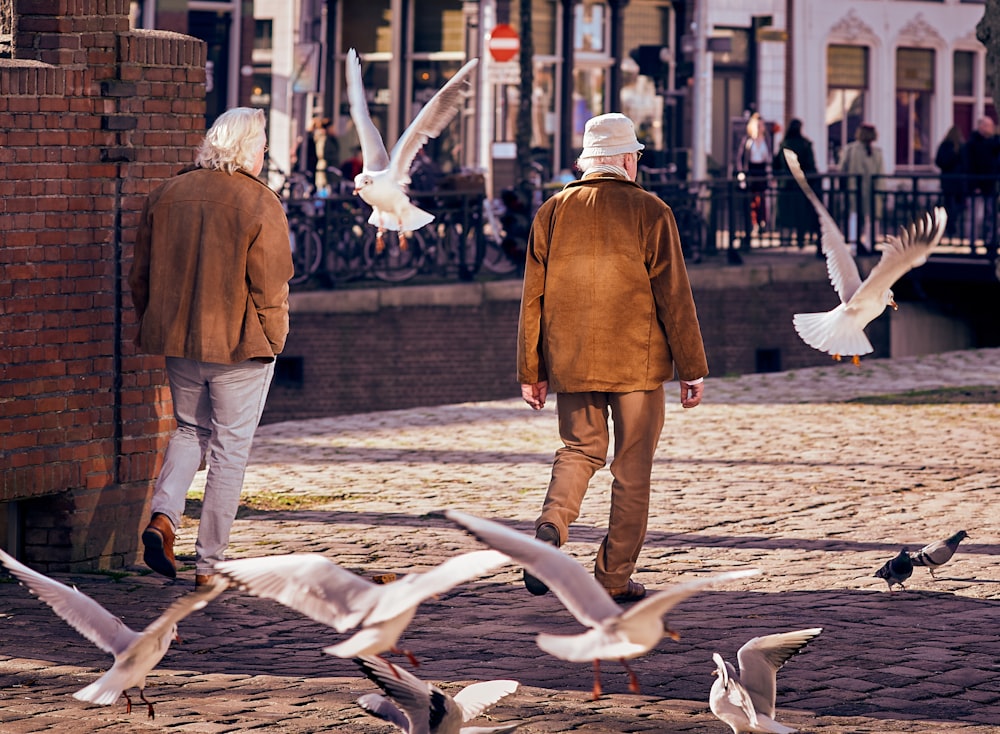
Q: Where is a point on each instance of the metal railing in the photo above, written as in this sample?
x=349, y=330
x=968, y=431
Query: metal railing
x=731, y=217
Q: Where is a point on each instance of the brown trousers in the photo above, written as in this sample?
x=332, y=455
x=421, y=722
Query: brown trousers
x=583, y=427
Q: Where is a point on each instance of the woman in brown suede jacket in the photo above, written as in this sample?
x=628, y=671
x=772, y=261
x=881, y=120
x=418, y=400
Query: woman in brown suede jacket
x=607, y=317
x=209, y=283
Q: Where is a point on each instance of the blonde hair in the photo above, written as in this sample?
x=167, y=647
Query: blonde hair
x=233, y=141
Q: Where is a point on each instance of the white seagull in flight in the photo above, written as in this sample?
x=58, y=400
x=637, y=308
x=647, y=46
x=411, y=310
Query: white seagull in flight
x=745, y=701
x=841, y=331
x=383, y=177
x=315, y=586
x=136, y=653
x=421, y=708
x=613, y=633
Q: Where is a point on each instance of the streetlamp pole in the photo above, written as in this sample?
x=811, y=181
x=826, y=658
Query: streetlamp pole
x=700, y=127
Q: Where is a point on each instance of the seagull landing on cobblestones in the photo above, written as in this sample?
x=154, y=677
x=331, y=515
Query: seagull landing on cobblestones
x=421, y=708
x=896, y=570
x=317, y=587
x=613, y=633
x=746, y=701
x=841, y=331
x=136, y=653
x=936, y=554
x=383, y=177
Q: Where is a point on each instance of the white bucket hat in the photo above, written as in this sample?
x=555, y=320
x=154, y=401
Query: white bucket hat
x=610, y=134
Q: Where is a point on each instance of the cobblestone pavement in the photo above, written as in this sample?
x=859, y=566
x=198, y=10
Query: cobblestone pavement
x=793, y=473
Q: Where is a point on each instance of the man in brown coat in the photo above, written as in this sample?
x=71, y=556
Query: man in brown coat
x=209, y=282
x=607, y=317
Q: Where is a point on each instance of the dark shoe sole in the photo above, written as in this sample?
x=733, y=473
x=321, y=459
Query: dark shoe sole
x=547, y=533
x=154, y=557
x=534, y=585
x=633, y=591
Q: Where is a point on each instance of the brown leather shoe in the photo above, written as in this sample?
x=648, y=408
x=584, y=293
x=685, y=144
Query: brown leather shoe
x=158, y=539
x=632, y=591
x=203, y=579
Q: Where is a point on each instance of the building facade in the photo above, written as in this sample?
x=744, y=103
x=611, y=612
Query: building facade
x=688, y=72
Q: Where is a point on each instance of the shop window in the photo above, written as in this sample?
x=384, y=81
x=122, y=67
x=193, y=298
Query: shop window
x=847, y=71
x=914, y=97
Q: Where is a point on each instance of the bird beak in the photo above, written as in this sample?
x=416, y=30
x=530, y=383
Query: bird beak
x=355, y=192
x=892, y=302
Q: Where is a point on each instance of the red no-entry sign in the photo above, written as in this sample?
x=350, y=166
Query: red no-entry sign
x=504, y=43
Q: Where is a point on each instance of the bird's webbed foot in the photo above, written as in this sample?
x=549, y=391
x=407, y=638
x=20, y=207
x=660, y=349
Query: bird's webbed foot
x=596, y=692
x=633, y=679
x=149, y=706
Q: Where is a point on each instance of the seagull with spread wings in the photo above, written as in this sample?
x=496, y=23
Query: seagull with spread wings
x=840, y=332
x=383, y=178
x=317, y=587
x=745, y=700
x=613, y=633
x=136, y=653
x=417, y=707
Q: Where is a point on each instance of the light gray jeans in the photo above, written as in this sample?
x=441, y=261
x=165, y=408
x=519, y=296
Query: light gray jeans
x=217, y=407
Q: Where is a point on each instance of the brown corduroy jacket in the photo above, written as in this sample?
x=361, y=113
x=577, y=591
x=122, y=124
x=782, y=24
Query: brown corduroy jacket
x=606, y=305
x=210, y=273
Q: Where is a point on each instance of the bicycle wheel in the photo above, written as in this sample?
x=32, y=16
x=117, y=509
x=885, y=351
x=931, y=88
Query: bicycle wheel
x=465, y=247
x=393, y=261
x=307, y=251
x=496, y=259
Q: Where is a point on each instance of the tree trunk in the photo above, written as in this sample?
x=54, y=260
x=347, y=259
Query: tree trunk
x=988, y=33
x=522, y=134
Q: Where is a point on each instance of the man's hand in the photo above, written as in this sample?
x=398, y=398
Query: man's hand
x=535, y=394
x=691, y=394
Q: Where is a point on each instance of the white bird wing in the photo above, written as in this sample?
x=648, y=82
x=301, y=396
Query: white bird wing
x=576, y=587
x=429, y=122
x=415, y=588
x=728, y=699
x=840, y=266
x=762, y=657
x=382, y=708
x=308, y=583
x=654, y=606
x=413, y=695
x=79, y=611
x=183, y=606
x=476, y=698
x=902, y=254
x=373, y=153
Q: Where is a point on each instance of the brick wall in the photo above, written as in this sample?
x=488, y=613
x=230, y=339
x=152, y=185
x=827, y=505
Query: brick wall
x=359, y=351
x=92, y=116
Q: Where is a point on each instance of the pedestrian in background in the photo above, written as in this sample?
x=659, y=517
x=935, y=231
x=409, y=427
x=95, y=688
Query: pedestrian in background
x=607, y=317
x=862, y=160
x=754, y=159
x=795, y=214
x=950, y=160
x=209, y=282
x=982, y=156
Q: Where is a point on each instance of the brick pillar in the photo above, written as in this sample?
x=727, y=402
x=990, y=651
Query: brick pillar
x=92, y=116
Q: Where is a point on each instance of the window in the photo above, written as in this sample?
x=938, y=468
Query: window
x=914, y=94
x=846, y=95
x=964, y=91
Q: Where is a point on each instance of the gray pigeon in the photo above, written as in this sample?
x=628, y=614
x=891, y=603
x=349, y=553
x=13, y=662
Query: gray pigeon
x=936, y=554
x=896, y=570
